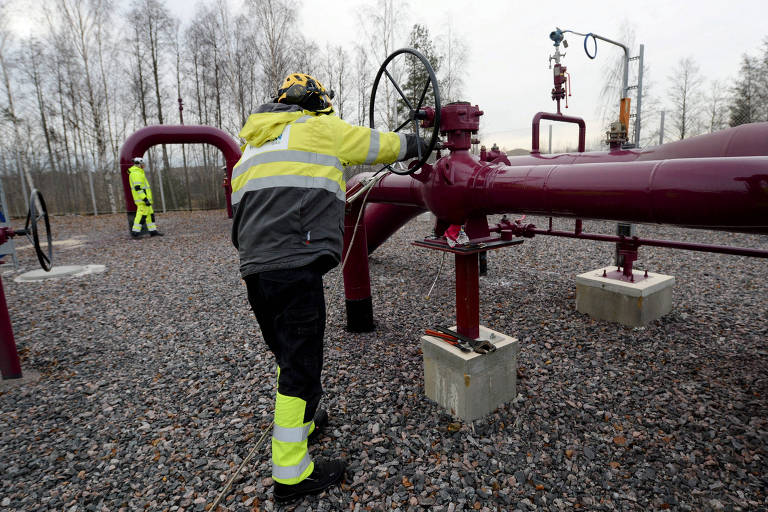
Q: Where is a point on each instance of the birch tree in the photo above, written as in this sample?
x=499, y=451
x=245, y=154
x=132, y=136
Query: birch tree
x=9, y=110
x=454, y=52
x=275, y=21
x=683, y=94
x=715, y=110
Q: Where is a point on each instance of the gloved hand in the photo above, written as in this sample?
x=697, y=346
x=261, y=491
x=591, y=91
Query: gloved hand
x=415, y=145
x=146, y=202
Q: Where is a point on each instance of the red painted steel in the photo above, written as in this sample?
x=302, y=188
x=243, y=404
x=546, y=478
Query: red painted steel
x=536, y=124
x=357, y=283
x=378, y=232
x=744, y=140
x=9, y=357
x=141, y=140
x=10, y=367
x=708, y=193
x=716, y=181
x=530, y=230
x=467, y=295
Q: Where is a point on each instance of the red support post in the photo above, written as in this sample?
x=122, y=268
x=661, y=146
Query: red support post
x=467, y=295
x=9, y=357
x=357, y=280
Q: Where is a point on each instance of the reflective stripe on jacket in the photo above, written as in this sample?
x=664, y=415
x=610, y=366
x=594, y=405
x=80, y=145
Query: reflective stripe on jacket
x=139, y=184
x=288, y=189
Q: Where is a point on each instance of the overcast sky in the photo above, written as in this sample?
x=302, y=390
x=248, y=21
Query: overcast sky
x=508, y=73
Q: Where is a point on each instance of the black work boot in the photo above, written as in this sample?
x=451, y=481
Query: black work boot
x=156, y=233
x=321, y=421
x=325, y=474
x=135, y=235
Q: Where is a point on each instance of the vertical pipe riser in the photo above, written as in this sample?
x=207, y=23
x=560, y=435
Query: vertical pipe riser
x=467, y=295
x=9, y=357
x=357, y=281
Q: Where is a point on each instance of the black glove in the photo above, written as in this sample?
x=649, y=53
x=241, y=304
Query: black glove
x=146, y=202
x=415, y=144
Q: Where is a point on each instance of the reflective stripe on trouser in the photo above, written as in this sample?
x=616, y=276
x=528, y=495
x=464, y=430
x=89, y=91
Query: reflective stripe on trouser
x=290, y=308
x=290, y=460
x=144, y=213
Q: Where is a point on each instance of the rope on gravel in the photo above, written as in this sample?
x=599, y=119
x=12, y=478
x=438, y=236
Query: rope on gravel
x=225, y=491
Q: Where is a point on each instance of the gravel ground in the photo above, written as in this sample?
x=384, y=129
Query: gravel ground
x=156, y=384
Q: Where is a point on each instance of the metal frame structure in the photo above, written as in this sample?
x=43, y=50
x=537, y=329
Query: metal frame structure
x=714, y=181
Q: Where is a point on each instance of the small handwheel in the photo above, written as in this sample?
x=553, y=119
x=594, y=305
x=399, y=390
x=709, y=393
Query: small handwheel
x=38, y=211
x=413, y=104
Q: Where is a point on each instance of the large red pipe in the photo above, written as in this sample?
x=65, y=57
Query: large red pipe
x=710, y=193
x=716, y=181
x=406, y=193
x=141, y=140
x=744, y=140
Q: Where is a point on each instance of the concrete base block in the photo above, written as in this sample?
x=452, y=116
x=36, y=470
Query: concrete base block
x=471, y=385
x=615, y=299
x=59, y=272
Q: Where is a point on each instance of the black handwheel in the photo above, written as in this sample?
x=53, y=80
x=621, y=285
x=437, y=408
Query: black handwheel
x=39, y=211
x=414, y=104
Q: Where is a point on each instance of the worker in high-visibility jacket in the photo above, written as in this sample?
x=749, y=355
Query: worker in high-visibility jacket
x=288, y=196
x=142, y=196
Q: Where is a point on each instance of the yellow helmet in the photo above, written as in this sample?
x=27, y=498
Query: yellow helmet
x=305, y=91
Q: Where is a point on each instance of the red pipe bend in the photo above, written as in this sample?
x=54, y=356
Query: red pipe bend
x=141, y=140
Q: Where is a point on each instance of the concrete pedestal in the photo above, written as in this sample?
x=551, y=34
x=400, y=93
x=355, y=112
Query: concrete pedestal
x=615, y=299
x=59, y=272
x=471, y=385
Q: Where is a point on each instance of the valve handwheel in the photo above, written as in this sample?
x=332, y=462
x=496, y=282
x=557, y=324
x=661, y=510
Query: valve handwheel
x=416, y=109
x=38, y=211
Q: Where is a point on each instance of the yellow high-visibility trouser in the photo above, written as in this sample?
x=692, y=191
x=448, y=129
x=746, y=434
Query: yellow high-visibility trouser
x=290, y=459
x=146, y=213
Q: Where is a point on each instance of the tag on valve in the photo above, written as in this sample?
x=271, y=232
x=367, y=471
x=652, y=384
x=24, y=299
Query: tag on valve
x=455, y=235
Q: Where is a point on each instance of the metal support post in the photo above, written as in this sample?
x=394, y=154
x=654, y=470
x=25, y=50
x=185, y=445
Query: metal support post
x=9, y=357
x=639, y=95
x=467, y=295
x=661, y=128
x=184, y=157
x=628, y=230
x=162, y=188
x=357, y=278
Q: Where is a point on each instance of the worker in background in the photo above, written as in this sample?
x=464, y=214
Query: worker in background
x=142, y=196
x=288, y=196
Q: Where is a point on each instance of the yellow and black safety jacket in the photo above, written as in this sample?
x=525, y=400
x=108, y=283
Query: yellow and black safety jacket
x=139, y=185
x=288, y=189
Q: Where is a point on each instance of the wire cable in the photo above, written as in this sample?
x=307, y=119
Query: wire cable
x=442, y=260
x=226, y=488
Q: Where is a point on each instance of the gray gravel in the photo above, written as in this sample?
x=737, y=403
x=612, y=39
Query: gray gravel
x=155, y=382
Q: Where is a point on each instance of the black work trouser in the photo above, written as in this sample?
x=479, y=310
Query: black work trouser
x=290, y=308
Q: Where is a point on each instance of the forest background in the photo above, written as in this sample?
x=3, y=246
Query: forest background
x=98, y=70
